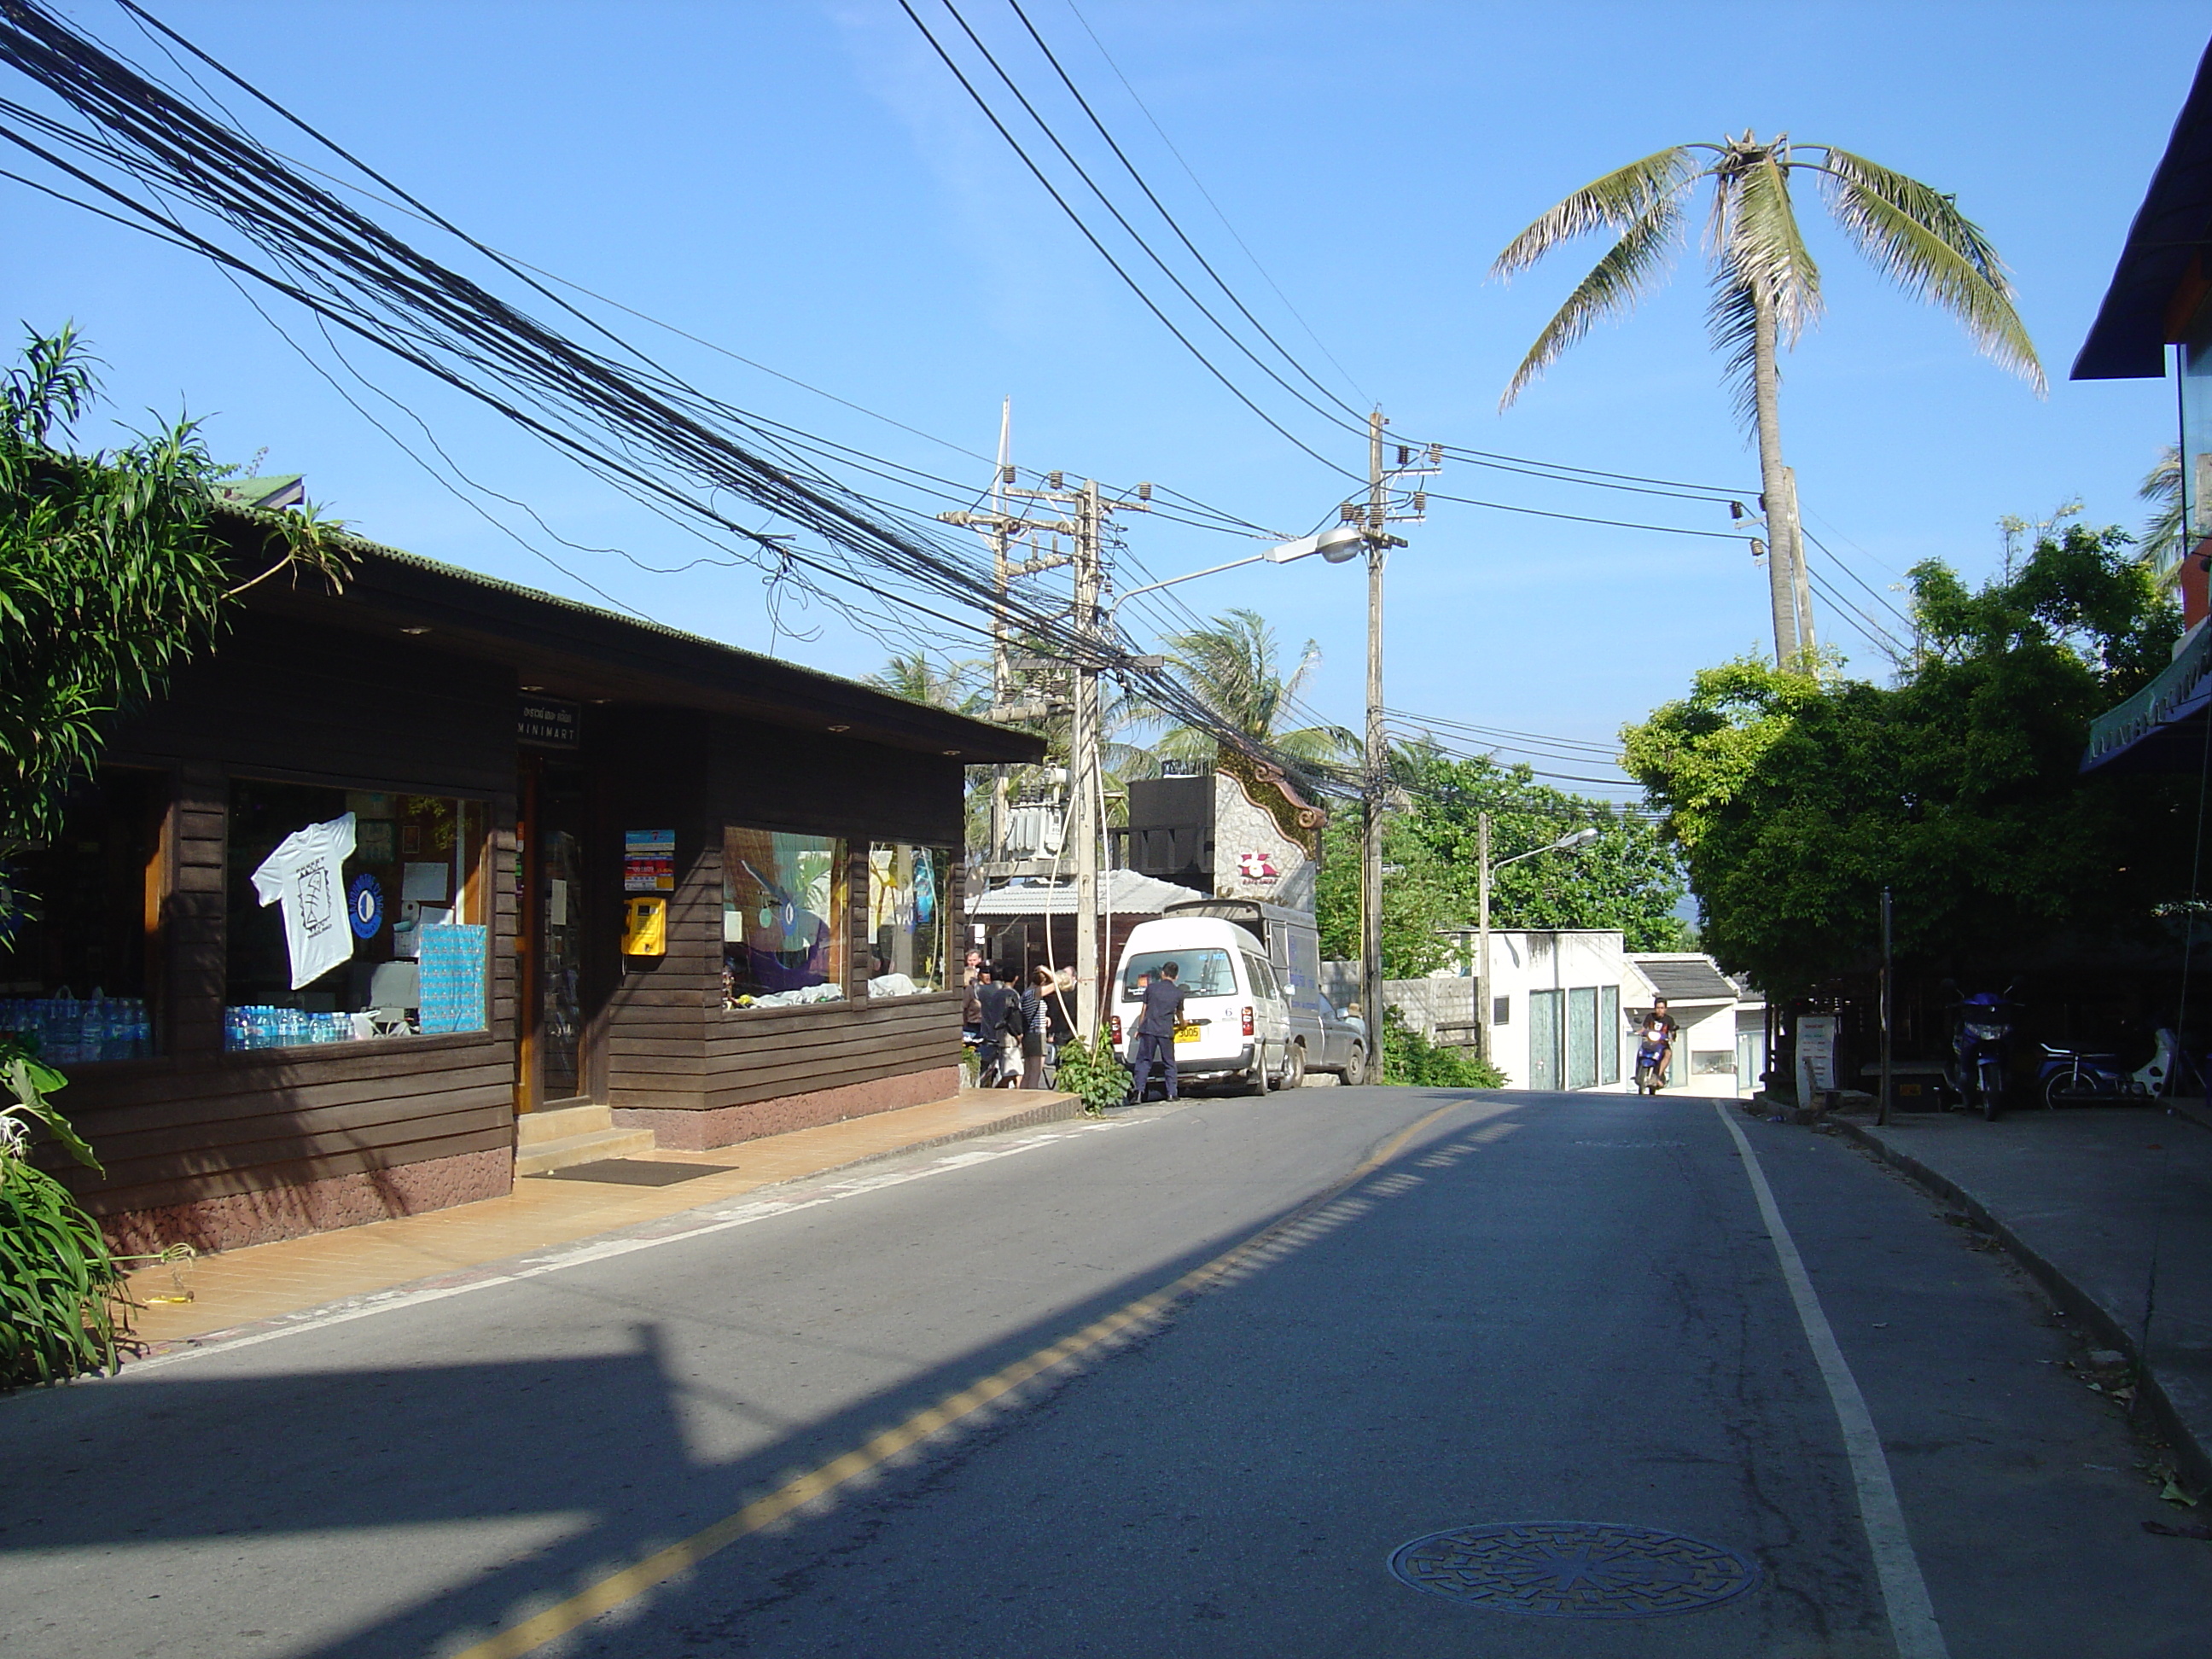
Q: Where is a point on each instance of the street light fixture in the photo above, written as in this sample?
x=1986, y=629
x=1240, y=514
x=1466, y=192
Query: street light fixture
x=1573, y=842
x=1338, y=543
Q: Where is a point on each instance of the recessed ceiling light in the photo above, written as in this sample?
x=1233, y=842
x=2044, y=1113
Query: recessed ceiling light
x=840, y=728
x=414, y=630
x=533, y=688
x=953, y=752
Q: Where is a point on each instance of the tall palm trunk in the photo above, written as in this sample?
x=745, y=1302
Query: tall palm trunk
x=1774, y=481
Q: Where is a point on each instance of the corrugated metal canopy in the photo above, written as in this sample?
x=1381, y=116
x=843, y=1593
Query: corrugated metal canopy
x=1686, y=978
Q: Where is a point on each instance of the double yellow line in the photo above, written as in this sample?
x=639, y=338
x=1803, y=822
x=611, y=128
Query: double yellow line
x=639, y=1577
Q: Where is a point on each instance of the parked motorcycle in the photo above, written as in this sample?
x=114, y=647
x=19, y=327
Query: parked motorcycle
x=2073, y=1077
x=1981, y=1051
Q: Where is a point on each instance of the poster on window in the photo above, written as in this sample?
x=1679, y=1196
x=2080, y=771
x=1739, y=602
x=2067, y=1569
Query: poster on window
x=648, y=860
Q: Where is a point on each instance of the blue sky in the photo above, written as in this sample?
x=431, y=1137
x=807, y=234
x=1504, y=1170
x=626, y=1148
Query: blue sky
x=804, y=184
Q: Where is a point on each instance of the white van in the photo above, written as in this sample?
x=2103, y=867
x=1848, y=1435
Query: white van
x=1237, y=1020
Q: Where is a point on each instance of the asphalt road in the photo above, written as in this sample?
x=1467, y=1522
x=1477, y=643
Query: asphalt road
x=1537, y=1309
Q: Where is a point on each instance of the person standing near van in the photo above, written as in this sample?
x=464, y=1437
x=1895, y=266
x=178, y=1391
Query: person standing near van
x=1034, y=1018
x=1156, y=1028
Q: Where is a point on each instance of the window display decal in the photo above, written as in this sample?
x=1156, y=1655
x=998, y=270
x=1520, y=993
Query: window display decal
x=365, y=899
x=303, y=875
x=907, y=919
x=785, y=924
x=452, y=979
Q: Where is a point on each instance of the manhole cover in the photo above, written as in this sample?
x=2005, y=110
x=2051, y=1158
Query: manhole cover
x=1573, y=1570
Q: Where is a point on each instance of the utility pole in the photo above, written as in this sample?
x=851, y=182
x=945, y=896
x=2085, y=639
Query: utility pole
x=1374, y=520
x=1881, y=1112
x=1800, y=581
x=1084, y=773
x=1484, y=1006
x=1002, y=678
x=1375, y=761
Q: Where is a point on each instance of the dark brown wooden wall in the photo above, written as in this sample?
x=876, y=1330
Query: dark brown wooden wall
x=832, y=786
x=287, y=701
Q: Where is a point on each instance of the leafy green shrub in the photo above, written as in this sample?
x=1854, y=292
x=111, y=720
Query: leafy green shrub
x=59, y=1314
x=1093, y=1073
x=1410, y=1057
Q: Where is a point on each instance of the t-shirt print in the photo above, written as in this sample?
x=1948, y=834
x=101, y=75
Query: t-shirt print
x=307, y=875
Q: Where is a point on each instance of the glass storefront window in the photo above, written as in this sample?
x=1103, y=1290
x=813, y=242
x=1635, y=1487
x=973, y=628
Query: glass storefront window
x=353, y=914
x=907, y=927
x=80, y=922
x=2195, y=355
x=784, y=925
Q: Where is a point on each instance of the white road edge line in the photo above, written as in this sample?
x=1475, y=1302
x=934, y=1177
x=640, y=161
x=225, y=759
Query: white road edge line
x=1912, y=1627
x=383, y=1301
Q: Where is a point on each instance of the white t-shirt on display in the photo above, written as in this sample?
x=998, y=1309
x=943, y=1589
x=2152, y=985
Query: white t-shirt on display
x=307, y=874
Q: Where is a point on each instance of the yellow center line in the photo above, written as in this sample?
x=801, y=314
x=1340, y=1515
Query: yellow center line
x=661, y=1565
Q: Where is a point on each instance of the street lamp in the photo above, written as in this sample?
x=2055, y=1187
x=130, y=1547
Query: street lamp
x=1338, y=543
x=1573, y=842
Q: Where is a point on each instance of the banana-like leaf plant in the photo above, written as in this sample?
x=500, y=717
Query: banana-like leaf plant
x=1766, y=287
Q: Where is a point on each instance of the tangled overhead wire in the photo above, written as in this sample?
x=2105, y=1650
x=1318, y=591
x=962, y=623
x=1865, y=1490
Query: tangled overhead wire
x=176, y=166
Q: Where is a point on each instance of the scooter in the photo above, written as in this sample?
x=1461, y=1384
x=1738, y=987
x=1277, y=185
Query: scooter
x=2070, y=1076
x=1981, y=1051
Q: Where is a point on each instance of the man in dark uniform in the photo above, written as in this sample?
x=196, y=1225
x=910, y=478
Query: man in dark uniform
x=1156, y=1026
x=996, y=1006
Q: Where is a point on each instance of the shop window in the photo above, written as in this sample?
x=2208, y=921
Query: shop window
x=79, y=925
x=1545, y=1044
x=353, y=914
x=1608, y=1034
x=909, y=931
x=1582, y=1037
x=785, y=932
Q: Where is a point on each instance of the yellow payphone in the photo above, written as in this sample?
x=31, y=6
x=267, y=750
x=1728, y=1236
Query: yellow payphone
x=644, y=927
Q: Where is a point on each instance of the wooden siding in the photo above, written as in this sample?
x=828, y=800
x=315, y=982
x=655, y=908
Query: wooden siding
x=288, y=699
x=703, y=1061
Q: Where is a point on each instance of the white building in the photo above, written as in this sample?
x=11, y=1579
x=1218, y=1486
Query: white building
x=1565, y=1004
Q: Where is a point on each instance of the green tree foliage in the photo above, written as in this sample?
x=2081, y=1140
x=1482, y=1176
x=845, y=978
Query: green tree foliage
x=112, y=573
x=1796, y=797
x=1628, y=878
x=59, y=1316
x=1409, y=1057
x=1233, y=666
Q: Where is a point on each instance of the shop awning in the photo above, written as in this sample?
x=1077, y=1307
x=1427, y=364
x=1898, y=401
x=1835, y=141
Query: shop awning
x=2161, y=727
x=1122, y=891
x=2170, y=233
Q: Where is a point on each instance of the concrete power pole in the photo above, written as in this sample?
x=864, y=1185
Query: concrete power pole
x=1800, y=583
x=1085, y=775
x=1376, y=518
x=1375, y=761
x=1484, y=1005
x=1001, y=534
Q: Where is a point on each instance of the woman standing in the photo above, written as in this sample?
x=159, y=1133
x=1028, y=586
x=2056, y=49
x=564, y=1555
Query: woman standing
x=1034, y=1016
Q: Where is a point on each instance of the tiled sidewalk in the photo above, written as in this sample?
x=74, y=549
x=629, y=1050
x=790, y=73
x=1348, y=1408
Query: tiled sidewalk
x=266, y=1280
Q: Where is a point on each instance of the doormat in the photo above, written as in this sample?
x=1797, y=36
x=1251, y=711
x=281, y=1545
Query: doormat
x=633, y=1172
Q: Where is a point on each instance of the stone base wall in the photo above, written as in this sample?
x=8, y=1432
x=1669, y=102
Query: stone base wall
x=686, y=1131
x=314, y=1206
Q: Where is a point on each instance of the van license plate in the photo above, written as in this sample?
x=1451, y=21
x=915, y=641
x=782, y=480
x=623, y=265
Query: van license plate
x=1186, y=1033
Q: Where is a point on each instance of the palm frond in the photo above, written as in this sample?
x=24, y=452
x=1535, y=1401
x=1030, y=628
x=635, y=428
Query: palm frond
x=1760, y=243
x=1630, y=267
x=1615, y=202
x=1730, y=321
x=1919, y=239
x=2161, y=538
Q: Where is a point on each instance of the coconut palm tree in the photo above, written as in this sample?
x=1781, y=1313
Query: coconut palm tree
x=2162, y=538
x=917, y=676
x=1765, y=287
x=1231, y=666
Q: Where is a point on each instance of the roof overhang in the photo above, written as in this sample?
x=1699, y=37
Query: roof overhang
x=2161, y=269
x=568, y=650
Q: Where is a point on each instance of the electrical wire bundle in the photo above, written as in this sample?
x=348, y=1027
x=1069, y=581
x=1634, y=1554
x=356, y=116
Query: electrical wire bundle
x=177, y=168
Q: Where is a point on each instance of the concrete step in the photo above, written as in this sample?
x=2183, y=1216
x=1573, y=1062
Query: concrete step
x=546, y=1156
x=534, y=1128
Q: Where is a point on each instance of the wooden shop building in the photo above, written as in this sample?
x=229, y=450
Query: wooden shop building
x=403, y=879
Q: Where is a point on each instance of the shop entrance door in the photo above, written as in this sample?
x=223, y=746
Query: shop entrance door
x=551, y=1057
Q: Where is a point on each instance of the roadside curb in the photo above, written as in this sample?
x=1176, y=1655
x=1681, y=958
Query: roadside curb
x=2193, y=1457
